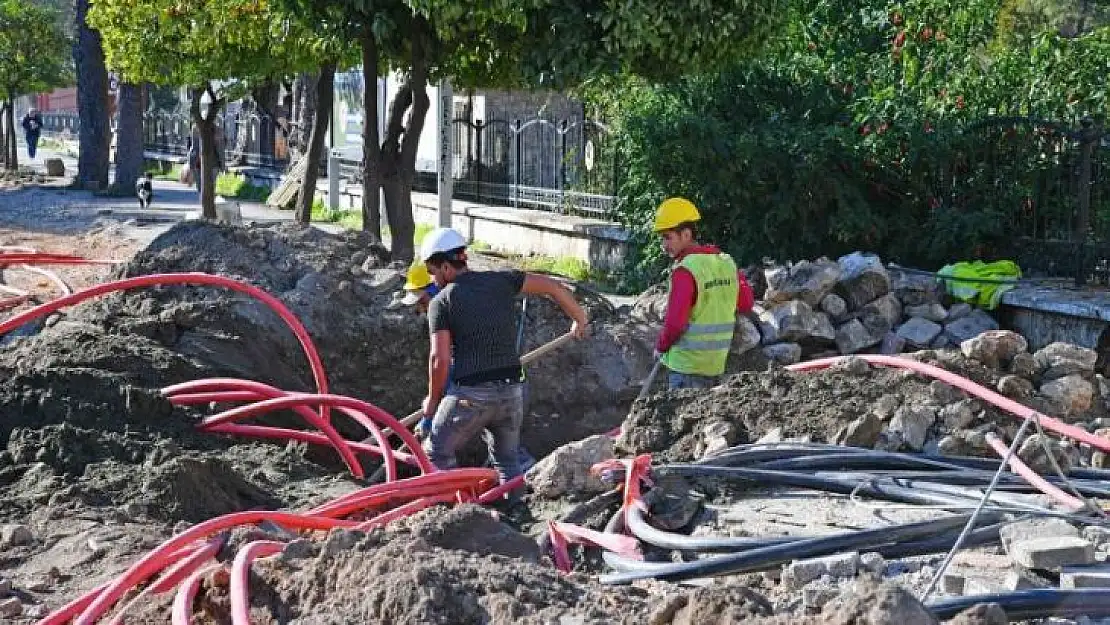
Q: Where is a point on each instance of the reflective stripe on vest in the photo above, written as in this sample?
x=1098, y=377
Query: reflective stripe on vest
x=703, y=348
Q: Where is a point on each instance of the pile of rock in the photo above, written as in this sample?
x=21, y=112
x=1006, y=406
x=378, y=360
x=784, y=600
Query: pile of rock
x=854, y=305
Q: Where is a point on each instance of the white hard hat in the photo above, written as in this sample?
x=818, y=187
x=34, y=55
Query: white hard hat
x=440, y=241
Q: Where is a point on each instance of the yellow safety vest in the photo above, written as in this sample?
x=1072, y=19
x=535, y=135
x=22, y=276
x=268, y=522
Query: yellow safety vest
x=704, y=346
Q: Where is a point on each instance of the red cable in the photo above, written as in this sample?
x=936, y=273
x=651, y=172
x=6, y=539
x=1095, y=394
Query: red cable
x=196, y=279
x=161, y=556
x=182, y=610
x=1031, y=476
x=240, y=577
x=965, y=384
x=372, y=411
x=174, y=574
x=237, y=389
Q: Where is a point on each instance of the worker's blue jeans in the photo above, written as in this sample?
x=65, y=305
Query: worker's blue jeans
x=496, y=409
x=689, y=380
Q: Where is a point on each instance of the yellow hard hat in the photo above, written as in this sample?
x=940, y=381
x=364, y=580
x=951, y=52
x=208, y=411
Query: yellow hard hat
x=418, y=278
x=674, y=212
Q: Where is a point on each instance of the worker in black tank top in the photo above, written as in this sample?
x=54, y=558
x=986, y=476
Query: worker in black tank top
x=473, y=319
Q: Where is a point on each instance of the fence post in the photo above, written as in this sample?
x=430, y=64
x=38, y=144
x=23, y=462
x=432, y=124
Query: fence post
x=1087, y=138
x=516, y=165
x=560, y=166
x=478, y=126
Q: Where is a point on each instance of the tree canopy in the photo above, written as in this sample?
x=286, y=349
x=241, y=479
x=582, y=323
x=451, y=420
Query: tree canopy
x=34, y=49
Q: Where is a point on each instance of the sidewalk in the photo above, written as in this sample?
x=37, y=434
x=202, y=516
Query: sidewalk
x=173, y=202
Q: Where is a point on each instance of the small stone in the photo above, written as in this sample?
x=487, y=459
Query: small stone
x=1098, y=535
x=913, y=423
x=11, y=607
x=852, y=366
x=886, y=307
x=774, y=435
x=783, y=353
x=567, y=469
x=299, y=549
x=1052, y=552
x=965, y=443
x=863, y=279
x=944, y=393
x=958, y=310
x=873, y=562
x=1033, y=453
x=745, y=337
x=853, y=336
x=1099, y=457
x=994, y=348
x=1058, y=360
x=1025, y=365
x=971, y=326
x=1072, y=393
x=382, y=280
x=863, y=432
x=181, y=526
x=958, y=415
x=886, y=406
x=801, y=572
x=892, y=344
x=933, y=312
x=834, y=306
x=1015, y=387
x=716, y=437
x=982, y=614
x=15, y=535
x=36, y=611
x=1035, y=528
x=55, y=167
x=953, y=583
x=919, y=332
x=807, y=281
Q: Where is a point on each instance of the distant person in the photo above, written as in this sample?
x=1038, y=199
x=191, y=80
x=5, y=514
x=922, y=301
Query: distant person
x=144, y=189
x=706, y=293
x=32, y=127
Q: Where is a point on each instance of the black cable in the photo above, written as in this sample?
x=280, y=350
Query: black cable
x=1025, y=605
x=765, y=558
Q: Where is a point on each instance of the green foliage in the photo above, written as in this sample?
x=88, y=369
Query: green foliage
x=236, y=186
x=34, y=49
x=573, y=268
x=856, y=129
x=349, y=219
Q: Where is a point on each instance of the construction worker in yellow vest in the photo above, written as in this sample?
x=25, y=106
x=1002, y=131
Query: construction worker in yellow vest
x=706, y=293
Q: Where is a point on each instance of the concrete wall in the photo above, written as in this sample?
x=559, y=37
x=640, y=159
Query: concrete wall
x=601, y=244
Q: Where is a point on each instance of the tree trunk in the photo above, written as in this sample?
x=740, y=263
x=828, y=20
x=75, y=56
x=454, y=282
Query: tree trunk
x=13, y=142
x=325, y=90
x=371, y=147
x=206, y=127
x=3, y=136
x=402, y=155
x=95, y=136
x=129, y=138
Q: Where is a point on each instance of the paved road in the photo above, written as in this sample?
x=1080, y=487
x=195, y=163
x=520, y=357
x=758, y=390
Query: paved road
x=59, y=209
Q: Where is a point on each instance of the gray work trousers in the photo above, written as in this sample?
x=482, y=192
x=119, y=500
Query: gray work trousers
x=494, y=408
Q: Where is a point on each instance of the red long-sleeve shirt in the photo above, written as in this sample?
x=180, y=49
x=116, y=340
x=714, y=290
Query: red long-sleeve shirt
x=684, y=294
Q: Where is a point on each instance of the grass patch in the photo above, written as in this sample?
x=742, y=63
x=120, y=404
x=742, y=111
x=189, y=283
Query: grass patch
x=573, y=268
x=349, y=219
x=236, y=186
x=172, y=175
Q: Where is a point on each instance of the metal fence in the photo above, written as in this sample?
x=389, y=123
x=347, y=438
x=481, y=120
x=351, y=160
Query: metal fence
x=1050, y=184
x=567, y=166
x=244, y=138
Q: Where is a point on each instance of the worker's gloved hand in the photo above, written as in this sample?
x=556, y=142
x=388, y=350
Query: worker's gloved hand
x=424, y=428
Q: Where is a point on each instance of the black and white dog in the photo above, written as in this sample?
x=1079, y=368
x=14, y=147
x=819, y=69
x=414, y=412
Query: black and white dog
x=144, y=190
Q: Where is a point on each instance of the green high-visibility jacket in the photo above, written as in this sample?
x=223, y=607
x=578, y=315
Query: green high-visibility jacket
x=703, y=348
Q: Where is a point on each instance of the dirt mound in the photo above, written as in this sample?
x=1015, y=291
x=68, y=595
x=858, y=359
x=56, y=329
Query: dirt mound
x=424, y=571
x=684, y=425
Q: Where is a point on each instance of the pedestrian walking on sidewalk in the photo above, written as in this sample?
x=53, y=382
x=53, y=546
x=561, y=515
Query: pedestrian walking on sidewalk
x=473, y=320
x=32, y=129
x=706, y=293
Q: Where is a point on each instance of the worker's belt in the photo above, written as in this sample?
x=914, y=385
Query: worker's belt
x=508, y=375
